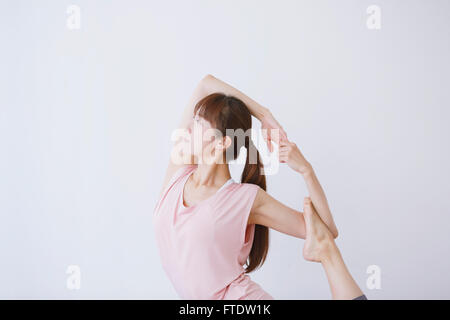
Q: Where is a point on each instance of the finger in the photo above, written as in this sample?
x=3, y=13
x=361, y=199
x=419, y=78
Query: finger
x=269, y=144
x=283, y=135
x=266, y=139
x=275, y=140
x=283, y=143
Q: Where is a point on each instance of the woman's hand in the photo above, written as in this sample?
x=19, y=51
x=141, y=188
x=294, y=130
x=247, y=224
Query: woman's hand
x=269, y=123
x=289, y=153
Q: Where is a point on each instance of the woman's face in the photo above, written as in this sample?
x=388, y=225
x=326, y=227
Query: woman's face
x=203, y=138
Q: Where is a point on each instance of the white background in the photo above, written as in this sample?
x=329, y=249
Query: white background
x=86, y=117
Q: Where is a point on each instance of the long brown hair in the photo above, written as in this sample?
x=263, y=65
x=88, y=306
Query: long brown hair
x=228, y=112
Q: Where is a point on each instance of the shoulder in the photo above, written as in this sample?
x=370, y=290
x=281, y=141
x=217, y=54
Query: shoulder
x=250, y=185
x=254, y=198
x=253, y=193
x=248, y=188
x=260, y=196
x=261, y=201
x=183, y=170
x=175, y=175
x=237, y=196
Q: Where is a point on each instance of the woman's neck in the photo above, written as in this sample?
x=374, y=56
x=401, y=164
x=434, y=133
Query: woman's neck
x=211, y=175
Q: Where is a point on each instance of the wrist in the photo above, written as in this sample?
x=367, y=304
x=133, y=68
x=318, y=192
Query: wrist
x=262, y=112
x=305, y=169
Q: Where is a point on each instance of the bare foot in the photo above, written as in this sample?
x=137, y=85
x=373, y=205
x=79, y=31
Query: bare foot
x=319, y=240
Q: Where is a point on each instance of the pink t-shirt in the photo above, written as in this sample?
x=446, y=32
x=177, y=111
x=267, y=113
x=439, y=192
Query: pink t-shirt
x=203, y=248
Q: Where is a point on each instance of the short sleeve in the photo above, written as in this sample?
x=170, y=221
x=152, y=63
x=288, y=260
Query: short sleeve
x=232, y=209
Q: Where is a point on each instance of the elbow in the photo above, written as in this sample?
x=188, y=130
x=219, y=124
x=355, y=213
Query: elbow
x=206, y=83
x=207, y=77
x=335, y=233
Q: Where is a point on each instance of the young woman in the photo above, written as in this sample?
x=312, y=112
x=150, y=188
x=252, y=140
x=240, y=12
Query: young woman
x=208, y=226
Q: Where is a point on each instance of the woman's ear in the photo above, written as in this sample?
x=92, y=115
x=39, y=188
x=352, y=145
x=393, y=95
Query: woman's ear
x=226, y=142
x=223, y=143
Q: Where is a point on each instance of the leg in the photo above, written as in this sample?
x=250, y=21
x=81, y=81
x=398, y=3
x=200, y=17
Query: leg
x=320, y=247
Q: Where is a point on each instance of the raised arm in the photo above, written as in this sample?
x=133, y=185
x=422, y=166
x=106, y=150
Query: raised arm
x=199, y=92
x=210, y=84
x=263, y=114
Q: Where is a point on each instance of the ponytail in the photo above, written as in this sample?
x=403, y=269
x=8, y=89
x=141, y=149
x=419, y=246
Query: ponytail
x=254, y=173
x=253, y=170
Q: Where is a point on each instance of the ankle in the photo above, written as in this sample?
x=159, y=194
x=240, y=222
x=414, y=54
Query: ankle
x=330, y=253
